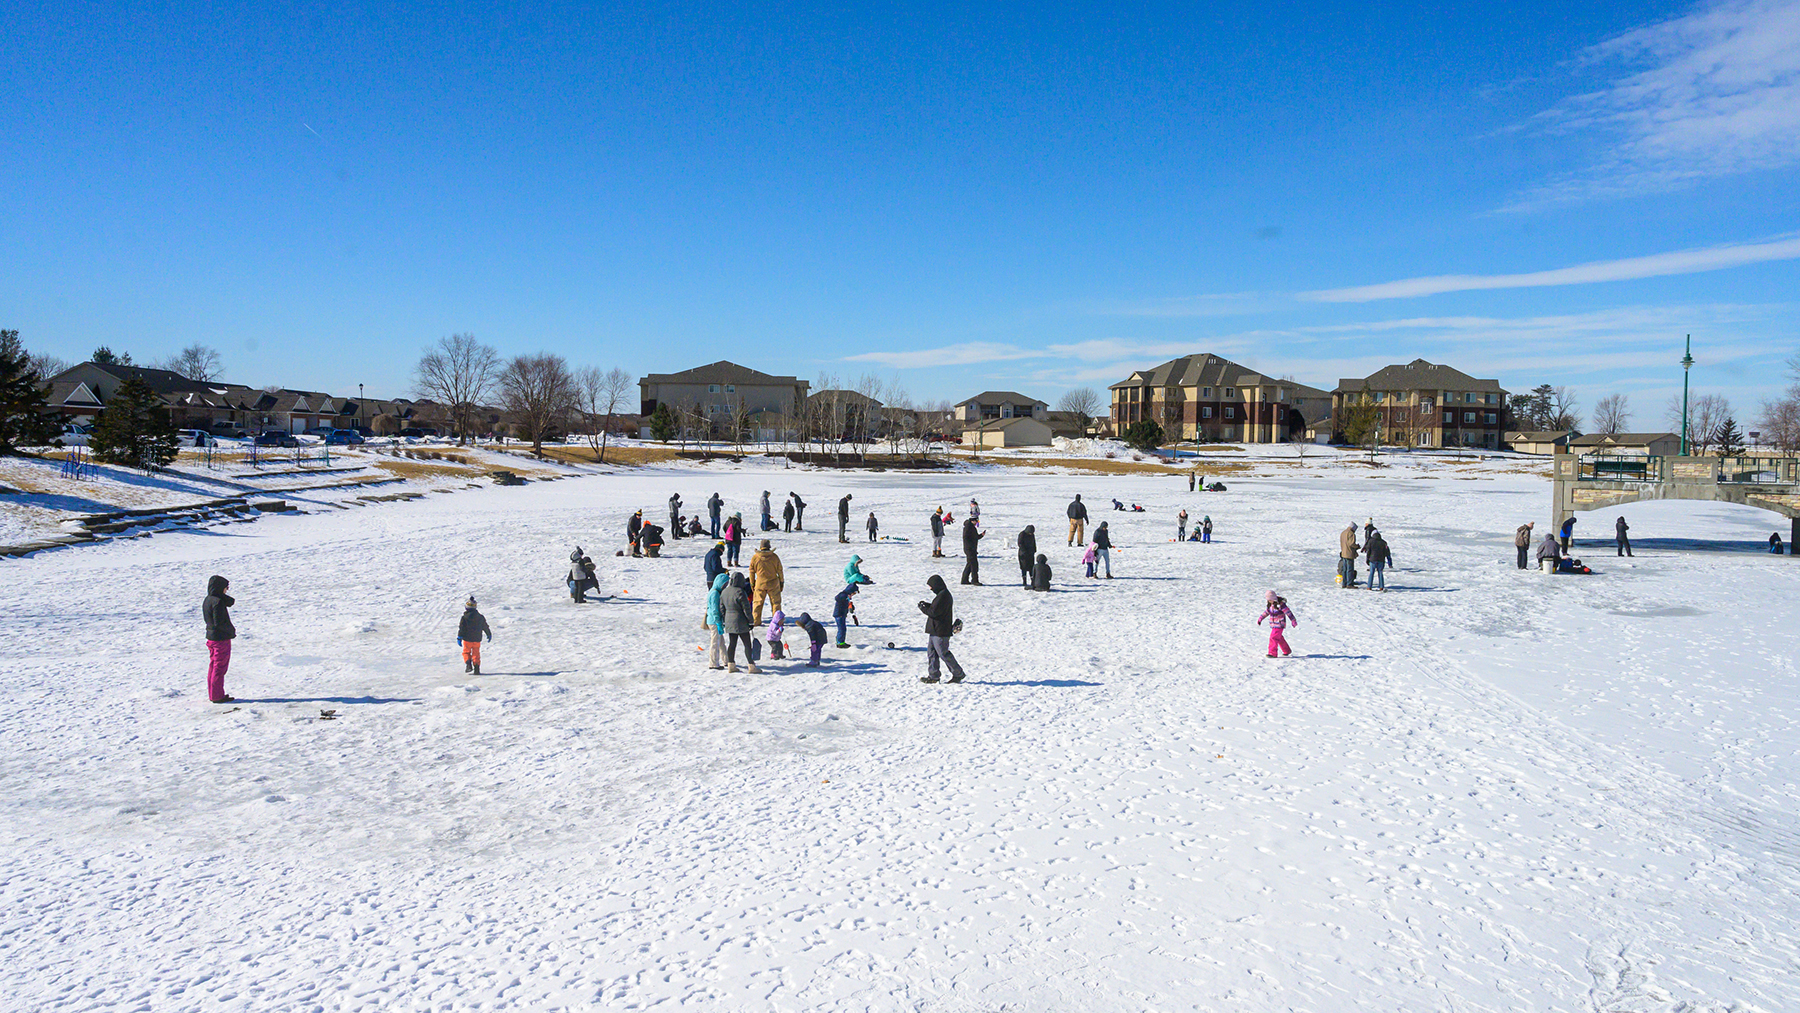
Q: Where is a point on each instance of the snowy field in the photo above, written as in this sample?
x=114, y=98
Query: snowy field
x=1484, y=790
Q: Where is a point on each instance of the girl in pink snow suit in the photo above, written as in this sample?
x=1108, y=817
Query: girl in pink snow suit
x=1280, y=617
x=1090, y=557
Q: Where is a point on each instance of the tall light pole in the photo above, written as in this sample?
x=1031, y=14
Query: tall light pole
x=1687, y=363
x=359, y=407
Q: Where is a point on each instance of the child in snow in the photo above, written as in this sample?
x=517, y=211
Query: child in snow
x=841, y=611
x=777, y=623
x=1118, y=505
x=468, y=634
x=1206, y=529
x=853, y=572
x=581, y=577
x=1181, y=525
x=872, y=525
x=816, y=633
x=1280, y=617
x=1089, y=557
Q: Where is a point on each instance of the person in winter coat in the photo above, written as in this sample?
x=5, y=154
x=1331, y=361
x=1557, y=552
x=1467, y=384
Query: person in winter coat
x=1378, y=556
x=675, y=514
x=715, y=619
x=937, y=533
x=815, y=632
x=1206, y=529
x=1181, y=525
x=1775, y=543
x=1623, y=539
x=975, y=512
x=1568, y=534
x=652, y=539
x=734, y=539
x=1522, y=541
x=714, y=562
x=1040, y=574
x=1280, y=617
x=694, y=530
x=1117, y=505
x=1548, y=549
x=1077, y=520
x=216, y=612
x=972, y=537
x=1103, y=547
x=1090, y=557
x=841, y=607
x=873, y=526
x=940, y=620
x=1027, y=552
x=844, y=519
x=787, y=515
x=799, y=512
x=853, y=572
x=468, y=634
x=633, y=528
x=581, y=577
x=734, y=609
x=714, y=504
x=777, y=623
x=1347, y=549
x=1368, y=530
x=768, y=523
x=766, y=579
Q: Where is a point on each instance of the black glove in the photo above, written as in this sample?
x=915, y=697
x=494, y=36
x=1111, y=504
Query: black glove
x=925, y=607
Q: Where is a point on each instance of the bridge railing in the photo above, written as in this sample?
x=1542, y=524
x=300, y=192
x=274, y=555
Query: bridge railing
x=1738, y=470
x=1618, y=469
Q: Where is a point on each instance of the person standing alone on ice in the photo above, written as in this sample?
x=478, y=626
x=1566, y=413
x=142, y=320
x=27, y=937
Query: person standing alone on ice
x=468, y=633
x=844, y=519
x=1077, y=521
x=972, y=537
x=874, y=526
x=1181, y=525
x=768, y=523
x=216, y=611
x=1027, y=552
x=1280, y=617
x=940, y=622
x=1624, y=540
x=1522, y=541
x=714, y=504
x=937, y=533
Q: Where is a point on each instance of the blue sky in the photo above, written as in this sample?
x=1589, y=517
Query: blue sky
x=957, y=198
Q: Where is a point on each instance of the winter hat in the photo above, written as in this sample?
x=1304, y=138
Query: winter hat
x=470, y=603
x=765, y=543
x=720, y=544
x=1273, y=597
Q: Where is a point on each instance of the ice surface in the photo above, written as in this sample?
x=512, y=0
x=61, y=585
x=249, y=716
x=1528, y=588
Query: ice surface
x=1484, y=790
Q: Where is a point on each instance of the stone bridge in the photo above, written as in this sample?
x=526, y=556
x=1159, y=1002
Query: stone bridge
x=1595, y=483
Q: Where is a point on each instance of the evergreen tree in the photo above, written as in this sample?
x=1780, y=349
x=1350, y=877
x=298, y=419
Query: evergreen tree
x=1360, y=421
x=134, y=429
x=1729, y=438
x=662, y=423
x=1144, y=435
x=25, y=417
x=103, y=356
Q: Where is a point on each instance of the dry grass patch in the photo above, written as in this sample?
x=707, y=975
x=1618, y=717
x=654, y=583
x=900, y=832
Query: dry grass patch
x=625, y=457
x=424, y=469
x=1117, y=466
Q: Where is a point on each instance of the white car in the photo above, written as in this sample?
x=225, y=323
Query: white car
x=74, y=435
x=196, y=438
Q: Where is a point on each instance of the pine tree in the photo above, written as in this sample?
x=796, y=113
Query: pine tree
x=1729, y=438
x=134, y=429
x=25, y=416
x=662, y=423
x=1144, y=435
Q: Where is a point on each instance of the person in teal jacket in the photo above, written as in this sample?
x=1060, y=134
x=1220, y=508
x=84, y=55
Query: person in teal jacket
x=715, y=620
x=853, y=572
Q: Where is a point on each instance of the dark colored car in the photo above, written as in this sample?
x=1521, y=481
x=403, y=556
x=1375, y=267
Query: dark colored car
x=277, y=440
x=226, y=430
x=343, y=438
x=417, y=432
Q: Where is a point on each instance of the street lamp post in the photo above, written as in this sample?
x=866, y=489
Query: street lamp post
x=359, y=407
x=1687, y=363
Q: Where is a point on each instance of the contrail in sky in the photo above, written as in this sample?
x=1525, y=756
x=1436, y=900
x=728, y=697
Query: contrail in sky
x=315, y=133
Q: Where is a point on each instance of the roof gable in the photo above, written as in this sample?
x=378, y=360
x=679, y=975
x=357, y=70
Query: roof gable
x=723, y=371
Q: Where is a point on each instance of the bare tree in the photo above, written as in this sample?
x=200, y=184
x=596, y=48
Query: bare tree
x=740, y=421
x=1081, y=402
x=1564, y=410
x=602, y=392
x=1706, y=412
x=1612, y=414
x=1780, y=422
x=43, y=365
x=196, y=362
x=540, y=393
x=459, y=374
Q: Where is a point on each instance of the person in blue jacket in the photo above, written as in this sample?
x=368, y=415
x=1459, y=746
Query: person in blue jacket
x=816, y=633
x=841, y=611
x=1568, y=534
x=715, y=620
x=714, y=562
x=853, y=572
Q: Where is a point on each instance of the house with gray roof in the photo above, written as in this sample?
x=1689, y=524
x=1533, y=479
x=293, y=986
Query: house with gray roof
x=1424, y=404
x=706, y=397
x=998, y=404
x=1209, y=398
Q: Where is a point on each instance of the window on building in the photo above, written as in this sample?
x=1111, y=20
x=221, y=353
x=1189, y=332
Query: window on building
x=1449, y=417
x=1230, y=412
x=1281, y=393
x=1468, y=416
x=1491, y=418
x=1425, y=404
x=1206, y=412
x=1231, y=392
x=712, y=388
x=990, y=411
x=731, y=388
x=1424, y=439
x=1206, y=392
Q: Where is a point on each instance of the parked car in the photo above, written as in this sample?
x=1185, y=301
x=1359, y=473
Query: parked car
x=227, y=431
x=74, y=435
x=195, y=438
x=277, y=440
x=344, y=438
x=418, y=432
x=318, y=431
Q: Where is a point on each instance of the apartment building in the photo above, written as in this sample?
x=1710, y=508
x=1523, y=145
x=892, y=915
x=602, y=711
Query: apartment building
x=1212, y=399
x=1423, y=404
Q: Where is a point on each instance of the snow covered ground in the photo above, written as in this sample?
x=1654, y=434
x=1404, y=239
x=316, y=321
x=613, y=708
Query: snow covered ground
x=1484, y=790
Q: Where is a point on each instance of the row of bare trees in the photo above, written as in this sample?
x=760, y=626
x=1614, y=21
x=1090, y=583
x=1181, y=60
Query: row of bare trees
x=539, y=394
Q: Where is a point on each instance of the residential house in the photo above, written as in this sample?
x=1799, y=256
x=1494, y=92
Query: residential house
x=1019, y=431
x=1212, y=399
x=79, y=392
x=1544, y=443
x=706, y=397
x=845, y=414
x=997, y=404
x=1627, y=445
x=1423, y=404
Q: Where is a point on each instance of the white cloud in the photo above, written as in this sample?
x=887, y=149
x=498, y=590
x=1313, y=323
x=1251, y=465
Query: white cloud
x=1718, y=93
x=1653, y=266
